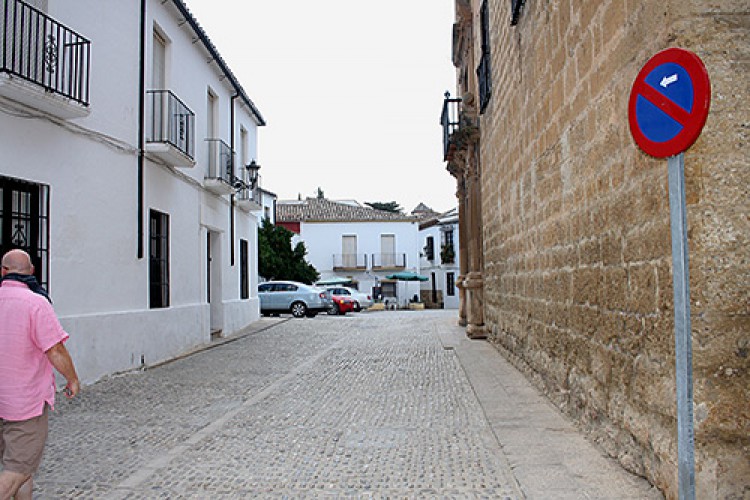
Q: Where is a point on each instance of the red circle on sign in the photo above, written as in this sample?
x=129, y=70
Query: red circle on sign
x=692, y=121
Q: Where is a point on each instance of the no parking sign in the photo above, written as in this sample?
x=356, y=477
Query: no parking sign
x=667, y=110
x=669, y=103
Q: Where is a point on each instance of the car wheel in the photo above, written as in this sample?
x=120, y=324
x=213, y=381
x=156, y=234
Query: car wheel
x=357, y=307
x=299, y=309
x=333, y=310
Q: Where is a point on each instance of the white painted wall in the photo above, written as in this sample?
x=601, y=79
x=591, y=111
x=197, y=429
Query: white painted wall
x=99, y=286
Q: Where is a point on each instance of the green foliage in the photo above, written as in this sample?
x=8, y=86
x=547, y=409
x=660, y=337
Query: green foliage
x=278, y=260
x=387, y=206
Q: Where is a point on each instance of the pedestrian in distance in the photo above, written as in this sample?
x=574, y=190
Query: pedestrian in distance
x=31, y=345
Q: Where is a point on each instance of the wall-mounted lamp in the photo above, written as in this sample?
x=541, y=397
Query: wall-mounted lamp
x=252, y=174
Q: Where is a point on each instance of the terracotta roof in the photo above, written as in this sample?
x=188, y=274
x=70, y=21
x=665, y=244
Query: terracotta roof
x=322, y=210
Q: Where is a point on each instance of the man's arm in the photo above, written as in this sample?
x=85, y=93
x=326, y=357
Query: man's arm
x=60, y=358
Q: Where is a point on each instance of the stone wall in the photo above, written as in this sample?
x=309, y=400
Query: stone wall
x=577, y=252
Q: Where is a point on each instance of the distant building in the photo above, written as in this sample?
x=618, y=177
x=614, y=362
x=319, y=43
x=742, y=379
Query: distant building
x=440, y=260
x=350, y=241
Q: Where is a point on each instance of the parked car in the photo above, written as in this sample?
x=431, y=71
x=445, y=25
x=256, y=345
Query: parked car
x=342, y=304
x=361, y=300
x=277, y=297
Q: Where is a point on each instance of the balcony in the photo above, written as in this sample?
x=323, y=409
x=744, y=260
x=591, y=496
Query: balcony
x=449, y=119
x=349, y=261
x=170, y=129
x=388, y=261
x=249, y=199
x=43, y=64
x=219, y=177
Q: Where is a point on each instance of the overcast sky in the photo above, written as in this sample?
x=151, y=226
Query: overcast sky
x=351, y=91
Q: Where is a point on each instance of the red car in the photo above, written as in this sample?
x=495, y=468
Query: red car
x=341, y=305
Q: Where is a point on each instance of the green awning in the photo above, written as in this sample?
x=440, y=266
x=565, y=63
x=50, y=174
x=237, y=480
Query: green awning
x=407, y=276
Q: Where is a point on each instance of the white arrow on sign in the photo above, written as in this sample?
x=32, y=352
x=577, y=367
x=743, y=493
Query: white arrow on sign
x=667, y=80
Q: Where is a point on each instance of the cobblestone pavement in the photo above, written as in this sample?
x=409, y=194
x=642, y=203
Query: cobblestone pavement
x=371, y=405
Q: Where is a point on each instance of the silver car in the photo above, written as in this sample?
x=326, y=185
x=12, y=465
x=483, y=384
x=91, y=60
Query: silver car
x=278, y=297
x=361, y=300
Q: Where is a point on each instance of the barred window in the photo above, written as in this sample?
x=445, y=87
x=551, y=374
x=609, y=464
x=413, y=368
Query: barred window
x=450, y=284
x=24, y=222
x=244, y=275
x=484, y=73
x=158, y=260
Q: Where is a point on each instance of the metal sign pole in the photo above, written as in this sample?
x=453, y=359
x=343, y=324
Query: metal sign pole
x=683, y=340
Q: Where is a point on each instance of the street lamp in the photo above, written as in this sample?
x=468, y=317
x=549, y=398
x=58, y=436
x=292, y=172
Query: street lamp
x=252, y=174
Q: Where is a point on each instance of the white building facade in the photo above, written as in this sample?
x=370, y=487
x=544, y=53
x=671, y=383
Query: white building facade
x=347, y=241
x=124, y=135
x=440, y=260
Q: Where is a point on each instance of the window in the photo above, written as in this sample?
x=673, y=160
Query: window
x=159, y=62
x=388, y=290
x=484, y=74
x=515, y=11
x=24, y=222
x=244, y=275
x=447, y=250
x=349, y=251
x=158, y=260
x=429, y=249
x=388, y=250
x=450, y=284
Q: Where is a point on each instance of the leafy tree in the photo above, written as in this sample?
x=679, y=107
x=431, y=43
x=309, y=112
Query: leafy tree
x=278, y=260
x=321, y=195
x=387, y=206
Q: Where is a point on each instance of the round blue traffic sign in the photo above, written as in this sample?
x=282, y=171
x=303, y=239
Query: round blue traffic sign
x=669, y=103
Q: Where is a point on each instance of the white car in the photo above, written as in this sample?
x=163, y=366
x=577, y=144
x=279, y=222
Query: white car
x=278, y=297
x=361, y=300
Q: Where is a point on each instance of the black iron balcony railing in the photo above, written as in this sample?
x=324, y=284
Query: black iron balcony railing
x=350, y=261
x=170, y=121
x=250, y=195
x=220, y=161
x=450, y=120
x=388, y=260
x=39, y=49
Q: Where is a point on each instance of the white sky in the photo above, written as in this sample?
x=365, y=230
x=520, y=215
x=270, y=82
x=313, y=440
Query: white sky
x=351, y=91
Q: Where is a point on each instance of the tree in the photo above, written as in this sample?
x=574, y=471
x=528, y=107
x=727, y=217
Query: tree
x=278, y=260
x=387, y=206
x=321, y=195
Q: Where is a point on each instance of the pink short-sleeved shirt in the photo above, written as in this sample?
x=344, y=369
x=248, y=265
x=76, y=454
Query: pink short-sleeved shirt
x=28, y=329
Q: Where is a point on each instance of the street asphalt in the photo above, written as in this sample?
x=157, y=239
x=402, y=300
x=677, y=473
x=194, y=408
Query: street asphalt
x=386, y=404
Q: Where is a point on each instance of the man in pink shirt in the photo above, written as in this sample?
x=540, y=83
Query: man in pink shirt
x=31, y=344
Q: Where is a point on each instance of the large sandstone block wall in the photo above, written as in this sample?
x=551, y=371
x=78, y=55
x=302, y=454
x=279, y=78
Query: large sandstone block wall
x=577, y=248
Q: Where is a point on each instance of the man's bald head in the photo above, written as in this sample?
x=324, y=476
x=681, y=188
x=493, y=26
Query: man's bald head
x=17, y=261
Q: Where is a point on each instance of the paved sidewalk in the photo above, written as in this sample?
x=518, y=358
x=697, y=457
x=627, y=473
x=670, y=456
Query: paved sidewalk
x=393, y=404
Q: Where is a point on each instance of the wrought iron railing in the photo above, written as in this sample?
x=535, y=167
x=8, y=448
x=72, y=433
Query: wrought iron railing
x=39, y=49
x=246, y=193
x=170, y=121
x=450, y=120
x=350, y=261
x=220, y=161
x=388, y=260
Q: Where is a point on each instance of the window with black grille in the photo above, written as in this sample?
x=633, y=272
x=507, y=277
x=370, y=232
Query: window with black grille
x=450, y=284
x=244, y=275
x=484, y=73
x=515, y=9
x=158, y=260
x=24, y=222
x=429, y=249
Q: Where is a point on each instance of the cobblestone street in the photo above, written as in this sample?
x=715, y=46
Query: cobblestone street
x=371, y=405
